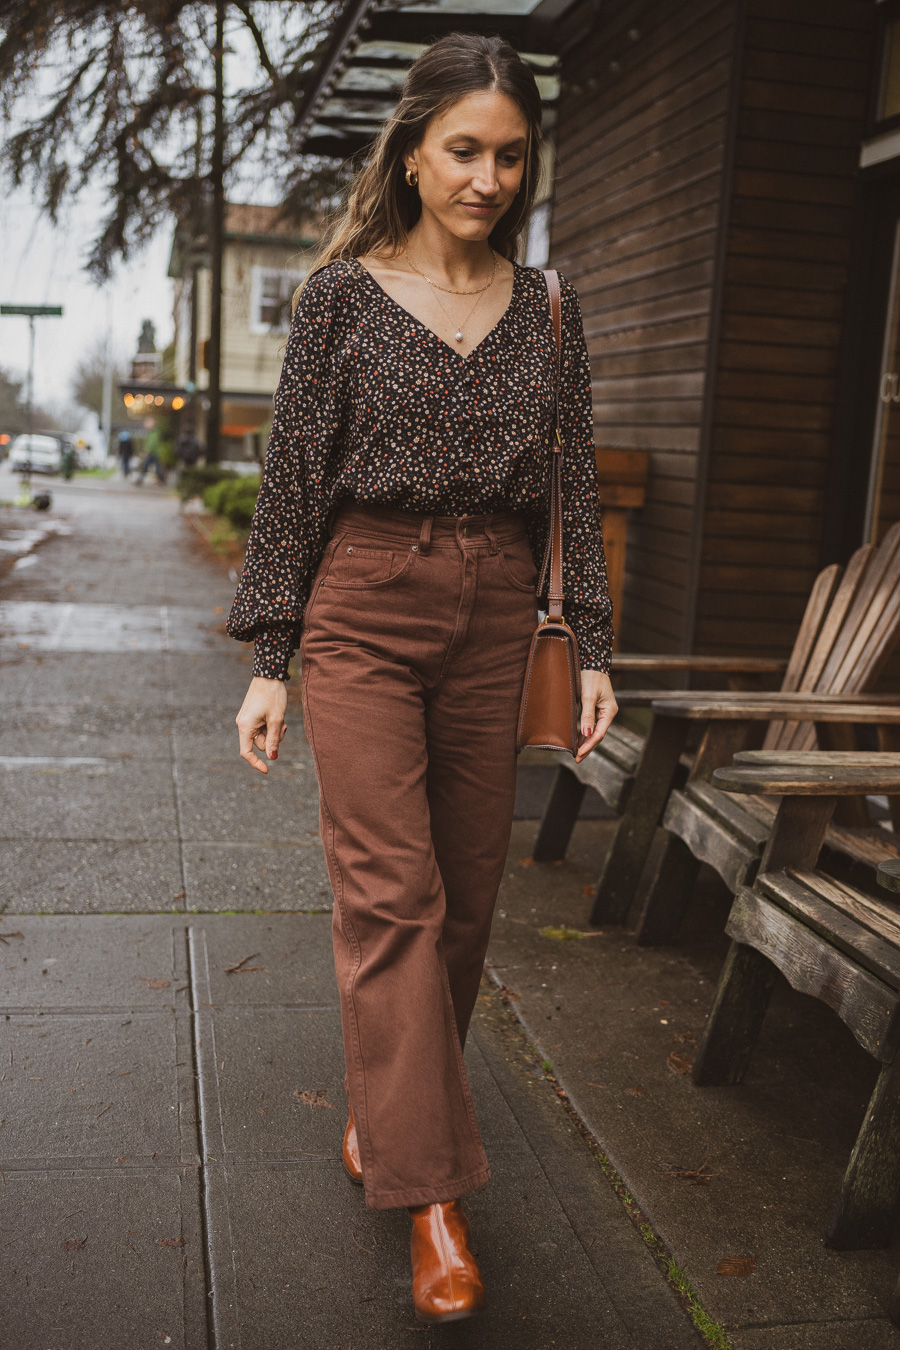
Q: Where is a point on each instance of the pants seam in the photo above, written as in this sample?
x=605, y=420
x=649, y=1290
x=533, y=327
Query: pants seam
x=360, y=1113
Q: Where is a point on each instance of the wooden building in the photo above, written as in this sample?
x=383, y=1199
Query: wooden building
x=725, y=198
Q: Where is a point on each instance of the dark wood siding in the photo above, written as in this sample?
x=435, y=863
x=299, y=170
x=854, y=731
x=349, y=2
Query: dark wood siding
x=640, y=154
x=804, y=75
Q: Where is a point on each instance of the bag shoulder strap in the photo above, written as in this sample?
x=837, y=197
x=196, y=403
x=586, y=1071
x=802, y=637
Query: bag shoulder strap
x=553, y=551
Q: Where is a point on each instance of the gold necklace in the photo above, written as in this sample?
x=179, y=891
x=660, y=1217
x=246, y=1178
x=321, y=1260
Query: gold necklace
x=448, y=290
x=459, y=330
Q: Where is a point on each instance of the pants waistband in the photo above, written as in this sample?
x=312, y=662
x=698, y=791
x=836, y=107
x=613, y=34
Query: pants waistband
x=493, y=528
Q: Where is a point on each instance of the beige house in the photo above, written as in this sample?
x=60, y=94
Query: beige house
x=265, y=260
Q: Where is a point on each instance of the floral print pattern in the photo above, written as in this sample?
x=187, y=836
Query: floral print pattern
x=373, y=405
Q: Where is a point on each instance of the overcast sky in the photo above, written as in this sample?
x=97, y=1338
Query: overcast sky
x=41, y=264
x=44, y=265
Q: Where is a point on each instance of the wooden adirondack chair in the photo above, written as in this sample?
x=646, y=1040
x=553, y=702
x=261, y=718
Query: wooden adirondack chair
x=850, y=627
x=831, y=940
x=611, y=769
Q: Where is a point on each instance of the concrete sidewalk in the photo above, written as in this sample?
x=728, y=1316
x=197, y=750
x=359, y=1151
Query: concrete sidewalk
x=171, y=1061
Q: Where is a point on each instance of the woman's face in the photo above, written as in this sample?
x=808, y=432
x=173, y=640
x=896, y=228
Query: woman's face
x=470, y=163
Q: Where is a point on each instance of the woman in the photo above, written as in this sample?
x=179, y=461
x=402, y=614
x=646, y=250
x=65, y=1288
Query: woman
x=403, y=505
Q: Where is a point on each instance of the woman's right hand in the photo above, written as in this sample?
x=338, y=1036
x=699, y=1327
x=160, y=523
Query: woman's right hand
x=260, y=721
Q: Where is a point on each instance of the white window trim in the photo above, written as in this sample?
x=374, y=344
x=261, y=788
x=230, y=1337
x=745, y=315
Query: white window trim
x=258, y=274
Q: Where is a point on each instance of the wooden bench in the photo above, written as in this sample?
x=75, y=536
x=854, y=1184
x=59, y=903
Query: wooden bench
x=834, y=941
x=851, y=625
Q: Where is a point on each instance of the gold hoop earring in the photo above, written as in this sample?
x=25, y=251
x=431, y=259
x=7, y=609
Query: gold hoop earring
x=412, y=177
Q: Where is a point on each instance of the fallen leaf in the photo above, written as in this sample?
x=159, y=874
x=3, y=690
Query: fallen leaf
x=679, y=1063
x=155, y=984
x=4, y=937
x=566, y=934
x=73, y=1245
x=170, y=1242
x=599, y=1085
x=179, y=895
x=314, y=1097
x=635, y=1092
x=684, y=1036
x=508, y=993
x=736, y=1265
x=526, y=862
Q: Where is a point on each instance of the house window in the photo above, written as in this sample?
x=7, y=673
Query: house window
x=270, y=304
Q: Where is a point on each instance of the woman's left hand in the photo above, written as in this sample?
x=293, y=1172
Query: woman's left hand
x=598, y=708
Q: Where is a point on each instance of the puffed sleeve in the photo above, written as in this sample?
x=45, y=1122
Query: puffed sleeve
x=587, y=607
x=288, y=533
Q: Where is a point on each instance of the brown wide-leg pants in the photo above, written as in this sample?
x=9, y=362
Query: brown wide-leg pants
x=413, y=654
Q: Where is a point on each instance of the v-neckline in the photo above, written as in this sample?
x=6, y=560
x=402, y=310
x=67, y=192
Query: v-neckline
x=517, y=270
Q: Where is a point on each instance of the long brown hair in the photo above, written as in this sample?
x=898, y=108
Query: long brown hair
x=381, y=208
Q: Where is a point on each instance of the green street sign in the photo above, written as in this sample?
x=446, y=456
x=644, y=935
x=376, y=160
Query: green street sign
x=32, y=311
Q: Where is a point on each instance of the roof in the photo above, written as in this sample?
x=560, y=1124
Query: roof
x=245, y=221
x=357, y=76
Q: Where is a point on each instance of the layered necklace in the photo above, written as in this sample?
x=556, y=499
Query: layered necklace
x=448, y=290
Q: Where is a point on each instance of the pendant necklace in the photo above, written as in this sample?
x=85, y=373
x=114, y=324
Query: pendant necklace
x=435, y=287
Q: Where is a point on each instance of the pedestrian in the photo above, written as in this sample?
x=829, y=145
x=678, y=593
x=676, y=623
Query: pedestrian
x=187, y=448
x=403, y=508
x=126, y=450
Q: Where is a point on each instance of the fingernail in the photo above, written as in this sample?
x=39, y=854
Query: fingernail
x=585, y=731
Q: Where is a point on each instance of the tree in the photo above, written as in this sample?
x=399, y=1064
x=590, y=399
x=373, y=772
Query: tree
x=87, y=382
x=13, y=414
x=144, y=99
x=93, y=90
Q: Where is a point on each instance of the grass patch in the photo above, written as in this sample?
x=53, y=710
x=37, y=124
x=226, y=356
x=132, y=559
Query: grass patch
x=94, y=473
x=223, y=536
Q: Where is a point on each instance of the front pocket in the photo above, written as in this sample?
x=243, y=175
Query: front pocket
x=356, y=567
x=518, y=565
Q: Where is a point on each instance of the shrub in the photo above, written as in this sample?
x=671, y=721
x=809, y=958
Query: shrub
x=194, y=479
x=233, y=498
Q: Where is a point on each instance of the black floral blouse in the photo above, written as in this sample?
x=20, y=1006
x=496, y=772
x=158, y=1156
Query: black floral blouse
x=372, y=405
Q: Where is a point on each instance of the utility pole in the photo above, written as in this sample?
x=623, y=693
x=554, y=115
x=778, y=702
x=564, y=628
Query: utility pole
x=217, y=242
x=106, y=416
x=31, y=312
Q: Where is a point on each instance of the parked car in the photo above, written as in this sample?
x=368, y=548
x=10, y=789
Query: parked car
x=36, y=454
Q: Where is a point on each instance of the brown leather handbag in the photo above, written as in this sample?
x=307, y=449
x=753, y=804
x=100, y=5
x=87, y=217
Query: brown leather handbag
x=548, y=712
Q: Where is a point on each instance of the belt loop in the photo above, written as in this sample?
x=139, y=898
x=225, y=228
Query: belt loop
x=424, y=545
x=495, y=547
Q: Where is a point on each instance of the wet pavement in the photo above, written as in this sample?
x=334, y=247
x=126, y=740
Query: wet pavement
x=172, y=1108
x=171, y=1068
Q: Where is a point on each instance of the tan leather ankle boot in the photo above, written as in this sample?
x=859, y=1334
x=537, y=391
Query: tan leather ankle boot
x=350, y=1152
x=447, y=1284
